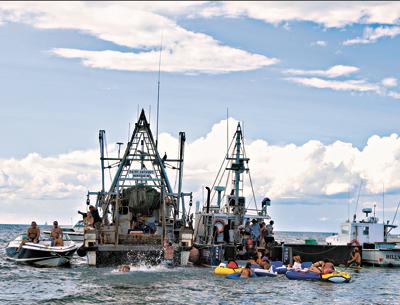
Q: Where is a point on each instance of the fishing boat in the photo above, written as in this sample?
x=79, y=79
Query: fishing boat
x=219, y=225
x=373, y=238
x=141, y=212
x=75, y=233
x=41, y=254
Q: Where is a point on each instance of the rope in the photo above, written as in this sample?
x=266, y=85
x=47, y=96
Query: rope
x=315, y=253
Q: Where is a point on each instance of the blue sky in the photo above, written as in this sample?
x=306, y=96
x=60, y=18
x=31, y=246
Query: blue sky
x=53, y=103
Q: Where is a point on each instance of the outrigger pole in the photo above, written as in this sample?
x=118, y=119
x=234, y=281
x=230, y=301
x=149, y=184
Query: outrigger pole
x=158, y=89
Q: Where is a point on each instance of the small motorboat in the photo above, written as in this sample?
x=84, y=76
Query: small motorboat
x=42, y=253
x=75, y=233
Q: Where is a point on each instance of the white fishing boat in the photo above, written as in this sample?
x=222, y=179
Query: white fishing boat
x=41, y=254
x=373, y=238
x=75, y=233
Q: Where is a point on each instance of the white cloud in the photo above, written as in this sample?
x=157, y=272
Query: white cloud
x=372, y=35
x=140, y=26
x=319, y=43
x=177, y=60
x=389, y=82
x=342, y=85
x=328, y=14
x=301, y=172
x=394, y=94
x=335, y=71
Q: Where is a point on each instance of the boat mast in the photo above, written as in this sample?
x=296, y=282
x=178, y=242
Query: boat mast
x=101, y=140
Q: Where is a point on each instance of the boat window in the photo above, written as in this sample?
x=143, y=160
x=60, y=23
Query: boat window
x=345, y=229
x=366, y=231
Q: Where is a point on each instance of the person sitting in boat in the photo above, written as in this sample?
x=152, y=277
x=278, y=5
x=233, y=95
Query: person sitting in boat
x=328, y=267
x=253, y=262
x=317, y=267
x=297, y=263
x=232, y=264
x=32, y=235
x=246, y=271
x=260, y=256
x=355, y=260
x=56, y=235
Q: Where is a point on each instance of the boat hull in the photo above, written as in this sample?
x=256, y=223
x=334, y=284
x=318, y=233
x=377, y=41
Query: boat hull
x=40, y=255
x=381, y=257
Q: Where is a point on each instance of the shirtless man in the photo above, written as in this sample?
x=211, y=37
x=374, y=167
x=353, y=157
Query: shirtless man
x=32, y=235
x=169, y=253
x=355, y=258
x=56, y=235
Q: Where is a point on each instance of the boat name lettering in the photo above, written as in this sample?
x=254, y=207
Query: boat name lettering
x=393, y=256
x=142, y=173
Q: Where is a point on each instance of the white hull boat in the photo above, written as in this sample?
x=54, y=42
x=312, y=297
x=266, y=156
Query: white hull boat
x=41, y=254
x=381, y=254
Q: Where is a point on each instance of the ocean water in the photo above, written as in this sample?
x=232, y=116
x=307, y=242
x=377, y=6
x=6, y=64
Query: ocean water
x=80, y=284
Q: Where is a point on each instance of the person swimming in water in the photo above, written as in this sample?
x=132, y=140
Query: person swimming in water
x=246, y=271
x=124, y=268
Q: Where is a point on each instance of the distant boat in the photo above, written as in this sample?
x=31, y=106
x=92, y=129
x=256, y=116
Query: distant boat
x=372, y=237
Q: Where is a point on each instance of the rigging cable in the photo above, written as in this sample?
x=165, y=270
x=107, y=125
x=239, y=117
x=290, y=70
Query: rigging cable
x=251, y=182
x=108, y=162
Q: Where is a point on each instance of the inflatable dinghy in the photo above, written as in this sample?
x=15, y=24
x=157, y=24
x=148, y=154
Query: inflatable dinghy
x=237, y=276
x=262, y=272
x=222, y=269
x=335, y=277
x=278, y=267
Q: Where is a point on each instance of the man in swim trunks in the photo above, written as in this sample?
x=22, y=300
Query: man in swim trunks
x=32, y=235
x=246, y=271
x=56, y=235
x=355, y=258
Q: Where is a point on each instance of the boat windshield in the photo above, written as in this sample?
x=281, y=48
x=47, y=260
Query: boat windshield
x=66, y=237
x=79, y=224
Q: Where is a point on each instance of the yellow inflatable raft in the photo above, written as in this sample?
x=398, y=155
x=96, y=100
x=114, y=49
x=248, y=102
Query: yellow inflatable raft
x=226, y=271
x=336, y=277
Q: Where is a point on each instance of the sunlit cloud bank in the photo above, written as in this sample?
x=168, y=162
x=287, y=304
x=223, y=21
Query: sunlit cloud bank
x=299, y=172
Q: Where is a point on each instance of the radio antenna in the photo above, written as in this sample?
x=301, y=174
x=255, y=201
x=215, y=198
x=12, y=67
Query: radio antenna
x=158, y=89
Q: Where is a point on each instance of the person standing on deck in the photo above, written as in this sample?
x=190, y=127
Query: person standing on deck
x=255, y=229
x=96, y=217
